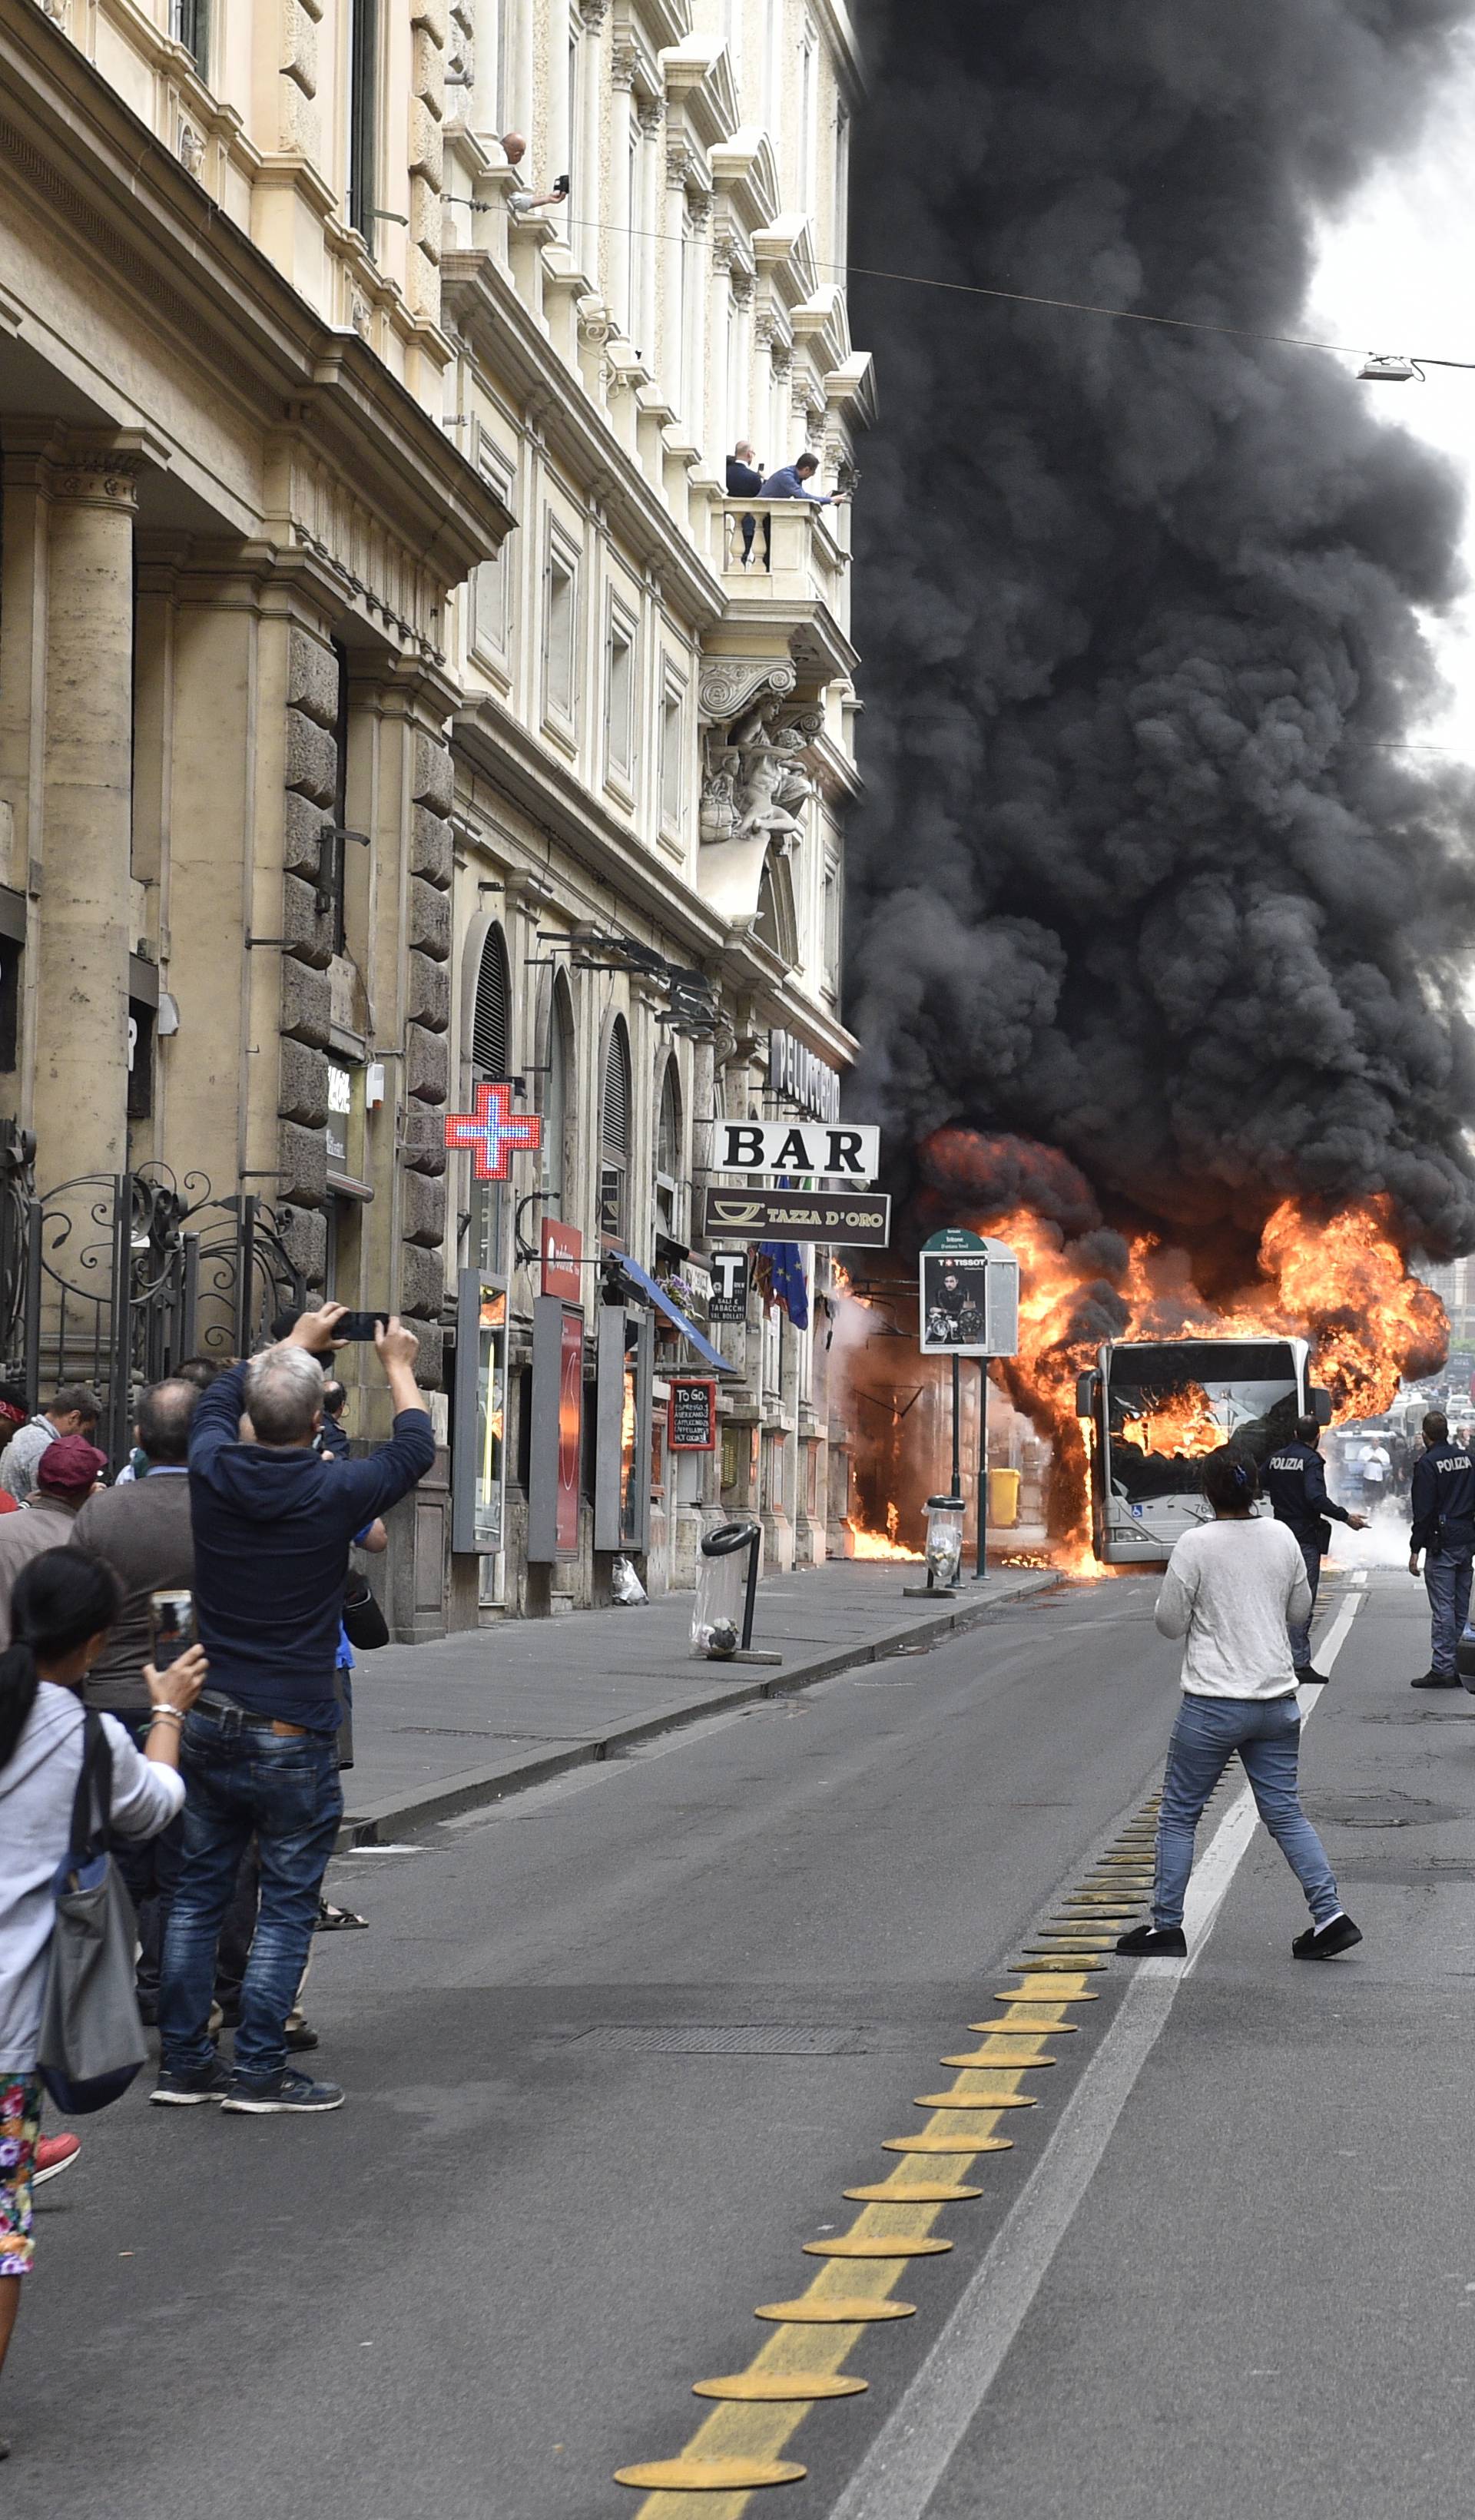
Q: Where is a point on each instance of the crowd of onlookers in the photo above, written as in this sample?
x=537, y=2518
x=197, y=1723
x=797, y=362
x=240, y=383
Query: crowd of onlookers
x=186, y=1624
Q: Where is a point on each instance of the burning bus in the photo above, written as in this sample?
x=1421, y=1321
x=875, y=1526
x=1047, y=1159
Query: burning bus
x=1152, y=1408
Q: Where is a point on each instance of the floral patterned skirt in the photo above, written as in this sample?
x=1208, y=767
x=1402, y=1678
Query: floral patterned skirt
x=19, y=2126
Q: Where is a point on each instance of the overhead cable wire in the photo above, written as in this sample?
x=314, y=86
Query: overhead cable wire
x=1058, y=305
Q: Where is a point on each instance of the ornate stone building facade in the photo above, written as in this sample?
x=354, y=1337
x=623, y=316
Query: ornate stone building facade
x=391, y=699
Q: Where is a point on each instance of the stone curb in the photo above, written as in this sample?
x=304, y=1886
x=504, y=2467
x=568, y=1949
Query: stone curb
x=394, y=1814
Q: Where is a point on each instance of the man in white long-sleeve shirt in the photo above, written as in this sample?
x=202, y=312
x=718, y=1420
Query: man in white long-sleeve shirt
x=1231, y=1587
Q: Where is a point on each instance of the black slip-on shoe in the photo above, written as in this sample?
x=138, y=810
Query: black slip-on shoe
x=280, y=2094
x=1323, y=1943
x=1154, y=1943
x=1436, y=1680
x=187, y=2091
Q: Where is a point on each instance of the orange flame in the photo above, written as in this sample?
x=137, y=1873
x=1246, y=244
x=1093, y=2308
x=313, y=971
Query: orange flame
x=870, y=1544
x=1340, y=1281
x=1183, y=1428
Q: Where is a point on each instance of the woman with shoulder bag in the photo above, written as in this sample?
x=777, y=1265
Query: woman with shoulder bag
x=61, y=1608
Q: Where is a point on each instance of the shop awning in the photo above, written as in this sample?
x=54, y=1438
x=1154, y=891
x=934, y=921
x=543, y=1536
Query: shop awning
x=657, y=1295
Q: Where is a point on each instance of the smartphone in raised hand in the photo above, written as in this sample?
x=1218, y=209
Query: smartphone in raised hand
x=171, y=1627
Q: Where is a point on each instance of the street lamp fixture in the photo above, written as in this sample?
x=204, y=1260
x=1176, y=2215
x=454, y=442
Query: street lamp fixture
x=1389, y=368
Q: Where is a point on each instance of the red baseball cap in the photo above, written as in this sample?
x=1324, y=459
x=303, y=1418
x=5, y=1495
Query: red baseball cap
x=71, y=1467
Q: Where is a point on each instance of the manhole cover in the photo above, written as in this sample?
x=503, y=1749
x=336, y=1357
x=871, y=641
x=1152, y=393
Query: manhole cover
x=723, y=2039
x=1382, y=1811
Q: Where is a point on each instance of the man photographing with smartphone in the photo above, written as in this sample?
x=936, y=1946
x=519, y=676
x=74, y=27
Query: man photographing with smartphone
x=272, y=1524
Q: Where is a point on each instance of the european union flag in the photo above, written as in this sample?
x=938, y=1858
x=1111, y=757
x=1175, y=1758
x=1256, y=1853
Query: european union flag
x=781, y=1277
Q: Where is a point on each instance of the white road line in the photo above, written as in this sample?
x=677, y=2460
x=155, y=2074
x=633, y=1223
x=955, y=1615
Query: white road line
x=911, y=2453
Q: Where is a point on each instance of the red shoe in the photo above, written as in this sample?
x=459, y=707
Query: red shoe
x=54, y=2154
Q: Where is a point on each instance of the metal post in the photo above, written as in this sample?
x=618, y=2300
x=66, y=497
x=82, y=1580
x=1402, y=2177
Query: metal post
x=32, y=1314
x=119, y=1385
x=189, y=1301
x=751, y=1597
x=957, y=1486
x=246, y=1272
x=981, y=1569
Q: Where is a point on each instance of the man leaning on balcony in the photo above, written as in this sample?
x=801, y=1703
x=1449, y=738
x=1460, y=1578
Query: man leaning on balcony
x=792, y=482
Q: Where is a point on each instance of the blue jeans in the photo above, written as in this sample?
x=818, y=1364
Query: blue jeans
x=1266, y=1734
x=284, y=1790
x=1299, y=1630
x=1446, y=1580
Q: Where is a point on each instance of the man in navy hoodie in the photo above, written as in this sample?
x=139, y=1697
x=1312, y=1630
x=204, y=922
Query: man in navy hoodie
x=272, y=1523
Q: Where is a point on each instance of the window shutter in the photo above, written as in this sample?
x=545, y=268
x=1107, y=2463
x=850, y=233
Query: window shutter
x=614, y=1125
x=490, y=1023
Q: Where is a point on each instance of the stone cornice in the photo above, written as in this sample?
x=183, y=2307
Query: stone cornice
x=96, y=172
x=477, y=295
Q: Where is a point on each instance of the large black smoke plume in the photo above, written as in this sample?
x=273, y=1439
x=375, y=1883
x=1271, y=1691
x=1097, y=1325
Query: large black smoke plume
x=1143, y=872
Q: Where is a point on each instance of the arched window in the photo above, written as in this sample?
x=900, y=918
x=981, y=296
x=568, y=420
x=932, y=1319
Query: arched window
x=491, y=1053
x=615, y=1136
x=555, y=1094
x=669, y=1166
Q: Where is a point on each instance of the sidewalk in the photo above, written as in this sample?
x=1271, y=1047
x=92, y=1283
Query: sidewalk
x=441, y=1727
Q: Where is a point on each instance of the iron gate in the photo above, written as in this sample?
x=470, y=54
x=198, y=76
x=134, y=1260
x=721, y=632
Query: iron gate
x=116, y=1279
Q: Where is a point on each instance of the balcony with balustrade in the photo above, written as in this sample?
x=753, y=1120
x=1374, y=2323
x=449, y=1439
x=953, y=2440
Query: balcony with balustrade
x=785, y=569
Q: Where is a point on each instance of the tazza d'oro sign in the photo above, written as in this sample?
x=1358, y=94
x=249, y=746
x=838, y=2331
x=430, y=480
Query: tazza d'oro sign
x=800, y=1215
x=846, y=1150
x=692, y=1416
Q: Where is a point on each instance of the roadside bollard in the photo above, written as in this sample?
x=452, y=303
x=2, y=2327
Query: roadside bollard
x=726, y=1588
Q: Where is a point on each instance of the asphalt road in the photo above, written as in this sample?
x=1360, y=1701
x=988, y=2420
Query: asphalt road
x=615, y=2051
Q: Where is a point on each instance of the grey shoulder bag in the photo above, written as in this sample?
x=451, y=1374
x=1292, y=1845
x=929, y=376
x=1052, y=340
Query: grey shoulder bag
x=92, y=2039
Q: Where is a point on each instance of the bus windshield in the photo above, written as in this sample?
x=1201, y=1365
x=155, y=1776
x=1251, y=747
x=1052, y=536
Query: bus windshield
x=1169, y=1403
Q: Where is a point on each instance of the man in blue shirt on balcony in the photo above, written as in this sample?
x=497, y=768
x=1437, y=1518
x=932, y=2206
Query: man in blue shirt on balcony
x=792, y=480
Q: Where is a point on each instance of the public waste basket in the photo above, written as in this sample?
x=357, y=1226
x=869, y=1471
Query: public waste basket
x=726, y=1575
x=944, y=1540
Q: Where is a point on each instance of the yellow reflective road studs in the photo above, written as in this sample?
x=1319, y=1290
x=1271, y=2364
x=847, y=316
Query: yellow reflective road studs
x=1029, y=2029
x=961, y=2146
x=876, y=2244
x=740, y=2447
x=1037, y=1994
x=1010, y=2064
x=917, y=2191
x=943, y=2101
x=780, y=2388
x=710, y=2475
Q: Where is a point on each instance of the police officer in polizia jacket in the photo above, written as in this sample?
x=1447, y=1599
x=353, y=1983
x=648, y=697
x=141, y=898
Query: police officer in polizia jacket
x=1444, y=1528
x=1294, y=1480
